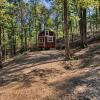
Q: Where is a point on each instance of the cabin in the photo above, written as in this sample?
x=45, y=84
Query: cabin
x=47, y=40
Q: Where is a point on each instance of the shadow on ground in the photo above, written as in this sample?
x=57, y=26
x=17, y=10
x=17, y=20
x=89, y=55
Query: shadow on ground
x=91, y=58
x=14, y=70
x=83, y=87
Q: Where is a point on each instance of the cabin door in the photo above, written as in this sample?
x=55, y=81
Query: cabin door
x=41, y=41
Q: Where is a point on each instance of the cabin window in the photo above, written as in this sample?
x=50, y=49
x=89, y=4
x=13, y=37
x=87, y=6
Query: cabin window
x=47, y=33
x=41, y=40
x=50, y=39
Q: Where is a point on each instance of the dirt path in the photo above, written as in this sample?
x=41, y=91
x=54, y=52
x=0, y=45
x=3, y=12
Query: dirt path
x=43, y=76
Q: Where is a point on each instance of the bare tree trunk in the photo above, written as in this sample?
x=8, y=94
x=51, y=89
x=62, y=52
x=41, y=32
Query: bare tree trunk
x=99, y=8
x=3, y=44
x=22, y=32
x=0, y=47
x=96, y=19
x=57, y=25
x=99, y=15
x=83, y=27
x=57, y=30
x=63, y=24
x=66, y=32
x=25, y=32
x=35, y=4
x=13, y=40
x=90, y=21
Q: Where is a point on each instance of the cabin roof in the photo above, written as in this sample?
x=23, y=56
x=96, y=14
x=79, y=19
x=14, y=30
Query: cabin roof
x=42, y=32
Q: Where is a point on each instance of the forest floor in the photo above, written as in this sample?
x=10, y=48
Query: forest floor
x=43, y=75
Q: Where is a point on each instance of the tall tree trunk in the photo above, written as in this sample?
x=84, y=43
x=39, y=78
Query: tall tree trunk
x=35, y=12
x=0, y=47
x=63, y=24
x=99, y=16
x=96, y=18
x=66, y=32
x=90, y=21
x=3, y=44
x=14, y=41
x=57, y=24
x=13, y=35
x=83, y=27
x=22, y=32
x=25, y=32
x=99, y=9
x=57, y=29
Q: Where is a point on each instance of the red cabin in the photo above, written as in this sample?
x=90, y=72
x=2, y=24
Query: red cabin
x=47, y=40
